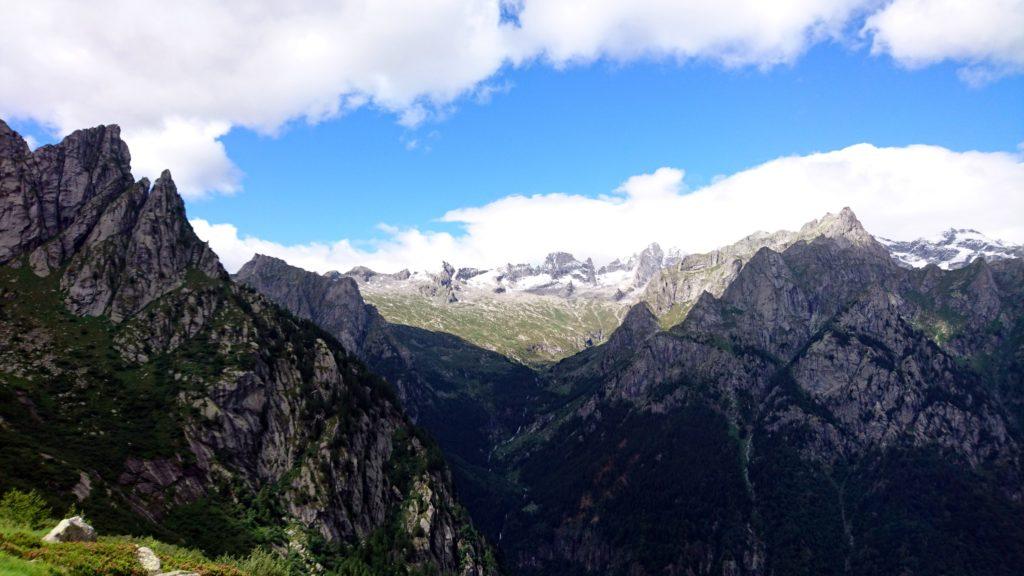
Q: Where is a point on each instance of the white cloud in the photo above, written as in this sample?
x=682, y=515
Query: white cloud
x=734, y=32
x=191, y=144
x=252, y=63
x=187, y=72
x=986, y=35
x=901, y=193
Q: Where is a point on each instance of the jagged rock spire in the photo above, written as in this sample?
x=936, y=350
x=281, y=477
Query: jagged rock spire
x=76, y=205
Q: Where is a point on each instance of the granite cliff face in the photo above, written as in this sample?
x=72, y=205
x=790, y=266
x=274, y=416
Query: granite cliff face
x=142, y=384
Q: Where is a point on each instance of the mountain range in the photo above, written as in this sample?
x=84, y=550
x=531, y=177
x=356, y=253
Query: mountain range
x=143, y=386
x=806, y=402
x=540, y=314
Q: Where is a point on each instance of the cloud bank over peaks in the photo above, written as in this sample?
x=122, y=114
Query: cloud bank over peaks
x=177, y=76
x=900, y=193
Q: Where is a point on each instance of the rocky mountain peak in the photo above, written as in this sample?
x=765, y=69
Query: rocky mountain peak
x=560, y=264
x=361, y=273
x=51, y=198
x=261, y=264
x=305, y=294
x=650, y=260
x=843, y=225
x=76, y=205
x=11, y=143
x=639, y=324
x=442, y=285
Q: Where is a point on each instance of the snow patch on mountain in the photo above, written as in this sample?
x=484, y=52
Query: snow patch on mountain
x=560, y=275
x=951, y=249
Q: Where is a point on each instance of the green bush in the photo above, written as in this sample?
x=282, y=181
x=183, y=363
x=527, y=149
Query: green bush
x=262, y=562
x=91, y=558
x=10, y=565
x=26, y=509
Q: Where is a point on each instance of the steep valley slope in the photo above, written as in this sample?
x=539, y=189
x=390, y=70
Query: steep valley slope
x=140, y=384
x=823, y=411
x=830, y=413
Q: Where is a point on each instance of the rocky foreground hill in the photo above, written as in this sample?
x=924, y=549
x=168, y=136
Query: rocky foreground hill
x=140, y=384
x=824, y=410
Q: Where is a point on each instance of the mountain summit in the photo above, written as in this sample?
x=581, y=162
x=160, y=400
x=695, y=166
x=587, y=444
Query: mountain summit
x=140, y=384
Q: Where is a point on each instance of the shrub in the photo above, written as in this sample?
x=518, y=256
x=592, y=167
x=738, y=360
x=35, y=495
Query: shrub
x=262, y=562
x=91, y=558
x=26, y=509
x=12, y=565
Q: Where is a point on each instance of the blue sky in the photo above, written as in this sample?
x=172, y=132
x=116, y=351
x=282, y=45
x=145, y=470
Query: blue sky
x=585, y=129
x=397, y=133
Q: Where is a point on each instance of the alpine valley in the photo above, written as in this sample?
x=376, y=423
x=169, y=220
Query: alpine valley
x=810, y=402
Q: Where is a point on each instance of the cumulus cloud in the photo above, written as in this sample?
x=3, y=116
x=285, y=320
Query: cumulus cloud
x=900, y=193
x=734, y=32
x=177, y=76
x=189, y=71
x=986, y=35
x=192, y=144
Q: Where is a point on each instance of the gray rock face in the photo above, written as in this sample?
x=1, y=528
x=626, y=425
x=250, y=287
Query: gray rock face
x=250, y=400
x=823, y=357
x=467, y=273
x=638, y=325
x=75, y=204
x=72, y=529
x=681, y=284
x=444, y=284
x=648, y=264
x=560, y=264
x=334, y=304
x=52, y=198
x=142, y=248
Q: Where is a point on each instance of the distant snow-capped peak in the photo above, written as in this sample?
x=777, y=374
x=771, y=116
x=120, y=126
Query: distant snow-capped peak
x=952, y=249
x=560, y=274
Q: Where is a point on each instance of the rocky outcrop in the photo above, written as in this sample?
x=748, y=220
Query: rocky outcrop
x=50, y=199
x=442, y=285
x=142, y=248
x=193, y=391
x=364, y=274
x=560, y=264
x=332, y=302
x=556, y=266
x=72, y=529
x=74, y=207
